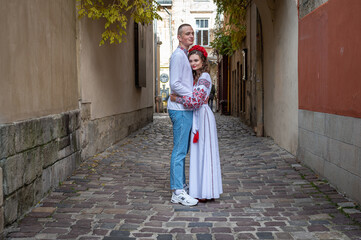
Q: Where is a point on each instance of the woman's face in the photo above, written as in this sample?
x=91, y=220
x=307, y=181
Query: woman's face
x=196, y=62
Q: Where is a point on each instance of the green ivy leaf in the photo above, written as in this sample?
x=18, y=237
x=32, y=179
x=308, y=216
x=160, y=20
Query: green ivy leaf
x=115, y=13
x=232, y=30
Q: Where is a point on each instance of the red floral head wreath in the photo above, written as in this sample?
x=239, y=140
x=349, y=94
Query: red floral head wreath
x=199, y=48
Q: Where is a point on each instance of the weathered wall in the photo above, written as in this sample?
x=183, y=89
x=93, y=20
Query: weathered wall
x=99, y=134
x=329, y=59
x=281, y=94
x=108, y=91
x=331, y=145
x=2, y=224
x=48, y=63
x=35, y=156
x=38, y=58
x=39, y=115
x=280, y=44
x=107, y=73
x=307, y=6
x=330, y=94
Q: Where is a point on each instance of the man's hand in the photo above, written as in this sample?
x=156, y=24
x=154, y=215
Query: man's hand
x=173, y=97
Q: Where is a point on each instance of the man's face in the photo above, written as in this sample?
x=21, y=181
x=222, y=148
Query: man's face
x=187, y=36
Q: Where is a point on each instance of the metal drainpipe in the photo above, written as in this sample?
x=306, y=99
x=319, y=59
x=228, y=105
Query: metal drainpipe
x=156, y=67
x=170, y=29
x=156, y=58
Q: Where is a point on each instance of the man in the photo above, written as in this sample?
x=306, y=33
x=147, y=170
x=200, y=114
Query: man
x=181, y=83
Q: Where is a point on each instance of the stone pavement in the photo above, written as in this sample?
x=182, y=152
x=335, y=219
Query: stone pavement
x=123, y=194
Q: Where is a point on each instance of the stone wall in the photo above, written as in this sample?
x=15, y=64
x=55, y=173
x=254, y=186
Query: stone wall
x=331, y=145
x=1, y=203
x=307, y=6
x=35, y=155
x=99, y=134
x=329, y=94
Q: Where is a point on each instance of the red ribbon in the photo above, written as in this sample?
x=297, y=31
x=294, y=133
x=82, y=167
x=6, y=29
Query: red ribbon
x=196, y=137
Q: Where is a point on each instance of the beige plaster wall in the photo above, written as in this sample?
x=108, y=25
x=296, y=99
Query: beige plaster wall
x=280, y=42
x=38, y=58
x=106, y=73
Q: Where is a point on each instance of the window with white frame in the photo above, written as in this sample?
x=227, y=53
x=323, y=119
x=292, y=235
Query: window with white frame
x=202, y=32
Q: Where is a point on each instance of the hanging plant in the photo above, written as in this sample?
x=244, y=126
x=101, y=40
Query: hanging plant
x=115, y=13
x=222, y=43
x=231, y=30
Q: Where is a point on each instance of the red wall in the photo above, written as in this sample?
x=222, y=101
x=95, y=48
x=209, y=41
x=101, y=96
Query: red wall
x=330, y=59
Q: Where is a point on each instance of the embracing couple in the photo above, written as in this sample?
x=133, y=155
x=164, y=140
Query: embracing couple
x=194, y=124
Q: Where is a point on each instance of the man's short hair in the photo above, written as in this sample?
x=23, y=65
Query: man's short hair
x=180, y=28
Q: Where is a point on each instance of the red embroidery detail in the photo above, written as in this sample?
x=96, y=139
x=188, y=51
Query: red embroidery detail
x=204, y=82
x=198, y=97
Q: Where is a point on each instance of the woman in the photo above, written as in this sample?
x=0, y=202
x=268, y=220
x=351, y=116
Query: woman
x=205, y=181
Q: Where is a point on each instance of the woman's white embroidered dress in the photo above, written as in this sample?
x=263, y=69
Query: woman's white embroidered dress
x=205, y=180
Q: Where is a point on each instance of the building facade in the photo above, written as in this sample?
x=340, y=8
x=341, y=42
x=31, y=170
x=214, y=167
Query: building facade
x=330, y=92
x=259, y=81
x=296, y=79
x=201, y=15
x=63, y=98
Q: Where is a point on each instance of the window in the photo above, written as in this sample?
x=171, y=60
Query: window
x=140, y=52
x=165, y=2
x=202, y=32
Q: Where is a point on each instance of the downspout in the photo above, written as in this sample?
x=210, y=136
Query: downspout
x=228, y=83
x=155, y=67
x=155, y=58
x=170, y=29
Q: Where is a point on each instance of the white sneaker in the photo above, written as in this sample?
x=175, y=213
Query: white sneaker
x=184, y=199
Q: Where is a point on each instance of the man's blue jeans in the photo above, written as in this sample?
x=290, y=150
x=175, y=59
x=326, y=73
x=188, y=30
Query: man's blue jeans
x=182, y=125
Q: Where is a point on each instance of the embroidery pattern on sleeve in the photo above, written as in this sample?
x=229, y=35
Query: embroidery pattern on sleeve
x=198, y=99
x=204, y=82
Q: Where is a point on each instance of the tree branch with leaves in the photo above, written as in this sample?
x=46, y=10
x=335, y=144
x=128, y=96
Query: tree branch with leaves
x=115, y=13
x=231, y=30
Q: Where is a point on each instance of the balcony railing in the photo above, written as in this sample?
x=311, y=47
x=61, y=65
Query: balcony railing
x=165, y=2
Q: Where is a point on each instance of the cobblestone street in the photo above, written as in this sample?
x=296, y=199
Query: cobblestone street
x=123, y=193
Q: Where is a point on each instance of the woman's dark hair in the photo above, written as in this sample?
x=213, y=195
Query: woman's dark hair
x=205, y=67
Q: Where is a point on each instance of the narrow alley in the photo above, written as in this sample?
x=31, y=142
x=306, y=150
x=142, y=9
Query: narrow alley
x=123, y=193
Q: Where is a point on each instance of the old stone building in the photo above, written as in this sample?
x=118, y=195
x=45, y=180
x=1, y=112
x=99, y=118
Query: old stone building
x=259, y=81
x=296, y=79
x=62, y=97
x=330, y=92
